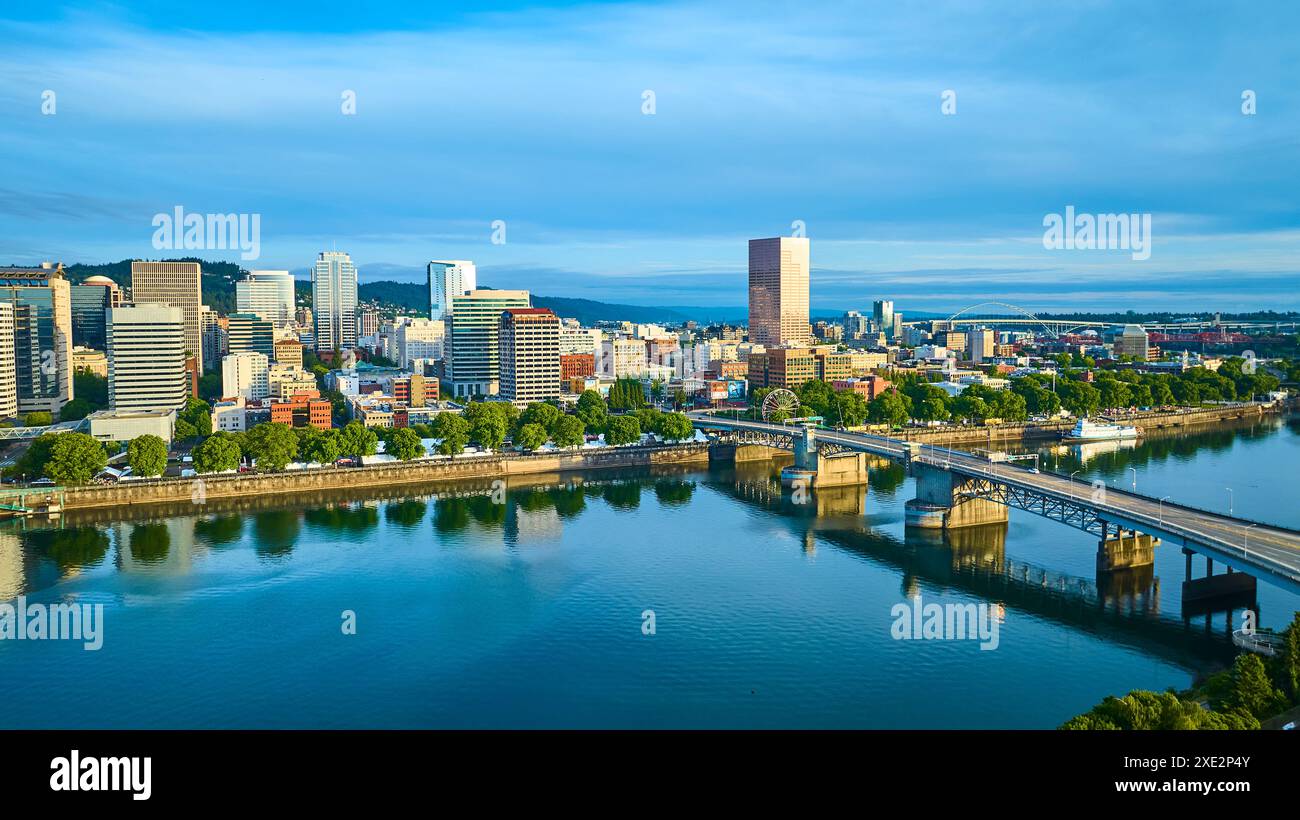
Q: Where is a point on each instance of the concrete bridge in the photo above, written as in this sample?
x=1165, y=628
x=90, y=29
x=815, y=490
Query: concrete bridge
x=957, y=489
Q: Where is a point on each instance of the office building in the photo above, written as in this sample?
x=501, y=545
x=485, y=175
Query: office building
x=623, y=357
x=250, y=333
x=334, y=301
x=530, y=355
x=472, y=355
x=89, y=302
x=367, y=323
x=42, y=313
x=778, y=290
x=288, y=351
x=146, y=358
x=419, y=340
x=178, y=284
x=1133, y=341
x=86, y=360
x=791, y=367
x=212, y=328
x=8, y=363
x=882, y=316
x=447, y=279
x=268, y=294
x=979, y=345
x=246, y=375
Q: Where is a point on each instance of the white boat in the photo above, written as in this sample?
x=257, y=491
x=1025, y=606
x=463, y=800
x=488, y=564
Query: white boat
x=1087, y=430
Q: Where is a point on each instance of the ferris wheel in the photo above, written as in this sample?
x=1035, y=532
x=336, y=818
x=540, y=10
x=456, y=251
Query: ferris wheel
x=782, y=402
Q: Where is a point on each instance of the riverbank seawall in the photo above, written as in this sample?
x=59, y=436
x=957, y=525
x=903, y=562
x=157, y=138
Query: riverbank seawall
x=214, y=487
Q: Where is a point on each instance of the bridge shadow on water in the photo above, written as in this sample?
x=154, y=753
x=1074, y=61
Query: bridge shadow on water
x=1121, y=607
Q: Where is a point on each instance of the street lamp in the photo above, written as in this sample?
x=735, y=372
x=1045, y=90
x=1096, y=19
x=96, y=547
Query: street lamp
x=1160, y=509
x=1229, y=489
x=1072, y=475
x=1245, y=541
x=1134, y=471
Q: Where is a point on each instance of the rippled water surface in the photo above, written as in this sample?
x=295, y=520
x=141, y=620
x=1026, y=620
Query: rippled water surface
x=531, y=612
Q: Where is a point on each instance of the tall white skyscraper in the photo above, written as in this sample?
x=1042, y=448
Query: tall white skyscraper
x=446, y=279
x=334, y=300
x=245, y=374
x=268, y=293
x=146, y=357
x=8, y=363
x=778, y=290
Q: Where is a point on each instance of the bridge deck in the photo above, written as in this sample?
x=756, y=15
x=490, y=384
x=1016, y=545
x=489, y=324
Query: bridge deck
x=1268, y=551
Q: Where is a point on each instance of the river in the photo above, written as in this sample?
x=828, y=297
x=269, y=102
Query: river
x=670, y=598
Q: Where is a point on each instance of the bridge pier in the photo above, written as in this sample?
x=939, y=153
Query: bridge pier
x=938, y=506
x=1121, y=552
x=1216, y=593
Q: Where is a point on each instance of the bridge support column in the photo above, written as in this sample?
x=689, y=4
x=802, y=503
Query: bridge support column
x=938, y=506
x=1121, y=552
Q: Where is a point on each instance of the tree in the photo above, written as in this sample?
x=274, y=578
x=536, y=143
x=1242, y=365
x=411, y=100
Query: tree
x=1290, y=661
x=321, y=446
x=850, y=408
x=890, y=407
x=530, y=436
x=199, y=415
x=622, y=430
x=1079, y=398
x=568, y=432
x=592, y=411
x=454, y=432
x=357, y=440
x=489, y=430
x=1010, y=406
x=74, y=458
x=147, y=455
x=39, y=418
x=32, y=462
x=541, y=414
x=272, y=445
x=972, y=408
x=676, y=427
x=626, y=394
x=404, y=444
x=217, y=453
x=1251, y=688
x=76, y=410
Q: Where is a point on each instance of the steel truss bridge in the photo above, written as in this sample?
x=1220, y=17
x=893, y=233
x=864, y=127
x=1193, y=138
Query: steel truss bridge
x=1266, y=551
x=1057, y=327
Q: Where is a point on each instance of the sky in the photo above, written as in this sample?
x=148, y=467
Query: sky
x=767, y=119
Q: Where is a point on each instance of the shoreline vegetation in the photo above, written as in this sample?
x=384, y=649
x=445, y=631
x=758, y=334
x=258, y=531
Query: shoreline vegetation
x=1254, y=691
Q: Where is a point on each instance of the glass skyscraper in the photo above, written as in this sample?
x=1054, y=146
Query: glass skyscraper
x=448, y=279
x=334, y=301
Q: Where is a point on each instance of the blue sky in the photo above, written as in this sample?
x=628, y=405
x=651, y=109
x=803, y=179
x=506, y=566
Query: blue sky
x=765, y=114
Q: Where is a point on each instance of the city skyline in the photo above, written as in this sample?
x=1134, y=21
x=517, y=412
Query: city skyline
x=936, y=210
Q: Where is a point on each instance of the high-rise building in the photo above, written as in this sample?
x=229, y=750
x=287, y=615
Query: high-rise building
x=778, y=290
x=90, y=300
x=8, y=363
x=623, y=357
x=1133, y=341
x=367, y=323
x=246, y=375
x=979, y=344
x=447, y=279
x=42, y=309
x=334, y=301
x=178, y=284
x=530, y=355
x=250, y=333
x=146, y=357
x=419, y=339
x=267, y=293
x=213, y=329
x=472, y=354
x=882, y=314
